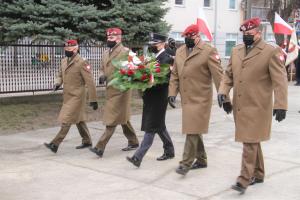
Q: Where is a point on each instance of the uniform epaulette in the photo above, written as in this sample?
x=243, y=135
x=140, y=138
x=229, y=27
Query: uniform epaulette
x=209, y=44
x=273, y=44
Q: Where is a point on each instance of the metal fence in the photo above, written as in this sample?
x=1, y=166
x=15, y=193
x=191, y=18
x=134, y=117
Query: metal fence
x=26, y=67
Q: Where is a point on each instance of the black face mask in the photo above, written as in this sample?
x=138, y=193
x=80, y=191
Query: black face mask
x=248, y=39
x=153, y=49
x=111, y=44
x=69, y=53
x=190, y=43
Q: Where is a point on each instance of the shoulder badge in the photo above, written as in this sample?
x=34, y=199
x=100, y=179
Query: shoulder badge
x=87, y=67
x=217, y=56
x=281, y=57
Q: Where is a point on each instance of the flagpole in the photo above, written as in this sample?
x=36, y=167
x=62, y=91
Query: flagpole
x=215, y=26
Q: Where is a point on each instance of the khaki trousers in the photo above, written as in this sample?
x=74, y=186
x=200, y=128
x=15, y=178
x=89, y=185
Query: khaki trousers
x=83, y=131
x=109, y=130
x=252, y=163
x=193, y=149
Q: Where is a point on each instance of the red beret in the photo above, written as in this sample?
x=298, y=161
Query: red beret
x=70, y=43
x=113, y=31
x=191, y=30
x=250, y=24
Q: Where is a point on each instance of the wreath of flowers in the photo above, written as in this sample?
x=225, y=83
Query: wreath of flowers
x=133, y=72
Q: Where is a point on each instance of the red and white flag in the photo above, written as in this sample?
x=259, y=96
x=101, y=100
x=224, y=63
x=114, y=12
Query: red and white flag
x=203, y=25
x=281, y=27
x=292, y=53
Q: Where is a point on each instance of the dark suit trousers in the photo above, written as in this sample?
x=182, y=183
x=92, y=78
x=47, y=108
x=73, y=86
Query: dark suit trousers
x=148, y=140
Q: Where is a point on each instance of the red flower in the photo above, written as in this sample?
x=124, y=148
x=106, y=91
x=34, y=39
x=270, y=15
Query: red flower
x=130, y=72
x=157, y=64
x=122, y=71
x=141, y=67
x=157, y=70
x=144, y=77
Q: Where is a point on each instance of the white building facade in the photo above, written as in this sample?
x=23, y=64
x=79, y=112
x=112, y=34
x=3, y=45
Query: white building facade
x=223, y=16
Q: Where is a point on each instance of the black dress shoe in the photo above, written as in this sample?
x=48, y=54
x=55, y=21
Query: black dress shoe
x=134, y=160
x=82, y=146
x=51, y=146
x=165, y=156
x=131, y=147
x=96, y=151
x=182, y=170
x=238, y=187
x=198, y=165
x=254, y=180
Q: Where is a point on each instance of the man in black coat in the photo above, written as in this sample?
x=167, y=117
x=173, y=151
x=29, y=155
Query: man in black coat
x=155, y=101
x=171, y=47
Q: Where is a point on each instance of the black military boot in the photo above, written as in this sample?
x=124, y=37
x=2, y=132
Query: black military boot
x=82, y=146
x=254, y=180
x=182, y=170
x=131, y=147
x=238, y=187
x=51, y=146
x=99, y=152
x=134, y=160
x=165, y=156
x=198, y=165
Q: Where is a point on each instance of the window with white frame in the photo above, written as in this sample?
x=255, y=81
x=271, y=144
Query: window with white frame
x=232, y=4
x=207, y=3
x=179, y=2
x=231, y=40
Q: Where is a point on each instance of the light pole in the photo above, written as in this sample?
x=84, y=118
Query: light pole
x=216, y=23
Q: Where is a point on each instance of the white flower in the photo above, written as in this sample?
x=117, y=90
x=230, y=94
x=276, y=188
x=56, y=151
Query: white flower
x=132, y=54
x=136, y=60
x=147, y=58
x=124, y=63
x=151, y=79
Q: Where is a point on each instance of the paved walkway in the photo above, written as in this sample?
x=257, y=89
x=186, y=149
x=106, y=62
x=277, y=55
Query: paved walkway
x=28, y=171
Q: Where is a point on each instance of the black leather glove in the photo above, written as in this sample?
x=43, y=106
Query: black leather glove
x=227, y=107
x=102, y=79
x=56, y=87
x=172, y=100
x=280, y=114
x=221, y=99
x=94, y=105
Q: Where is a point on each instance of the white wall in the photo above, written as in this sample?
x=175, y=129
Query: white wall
x=228, y=20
